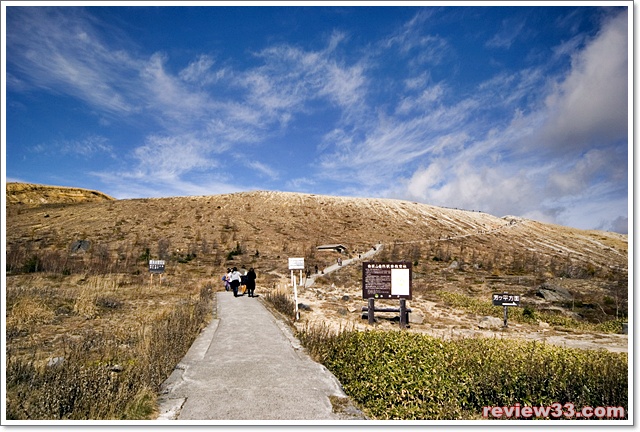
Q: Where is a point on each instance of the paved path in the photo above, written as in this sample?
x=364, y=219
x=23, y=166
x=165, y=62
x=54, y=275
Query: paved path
x=247, y=365
x=363, y=257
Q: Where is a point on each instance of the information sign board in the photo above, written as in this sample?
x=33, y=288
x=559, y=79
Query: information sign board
x=506, y=299
x=156, y=266
x=386, y=280
x=296, y=263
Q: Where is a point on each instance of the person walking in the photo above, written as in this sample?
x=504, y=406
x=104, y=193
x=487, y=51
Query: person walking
x=235, y=281
x=251, y=282
x=227, y=279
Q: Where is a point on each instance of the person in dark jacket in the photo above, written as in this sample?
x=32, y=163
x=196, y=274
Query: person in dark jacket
x=251, y=282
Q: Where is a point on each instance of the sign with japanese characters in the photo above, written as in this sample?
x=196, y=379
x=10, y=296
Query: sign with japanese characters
x=296, y=263
x=506, y=299
x=386, y=280
x=156, y=266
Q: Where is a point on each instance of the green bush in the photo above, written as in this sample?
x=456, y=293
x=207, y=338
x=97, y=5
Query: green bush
x=408, y=376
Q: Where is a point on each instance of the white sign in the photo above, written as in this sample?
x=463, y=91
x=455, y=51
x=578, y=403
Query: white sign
x=156, y=266
x=296, y=263
x=400, y=282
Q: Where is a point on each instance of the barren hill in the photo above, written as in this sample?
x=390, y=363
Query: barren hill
x=35, y=194
x=293, y=224
x=465, y=252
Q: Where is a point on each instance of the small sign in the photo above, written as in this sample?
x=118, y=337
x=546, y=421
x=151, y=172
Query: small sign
x=296, y=263
x=506, y=300
x=386, y=280
x=156, y=266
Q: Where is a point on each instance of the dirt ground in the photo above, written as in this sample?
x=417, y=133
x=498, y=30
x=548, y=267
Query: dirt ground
x=341, y=309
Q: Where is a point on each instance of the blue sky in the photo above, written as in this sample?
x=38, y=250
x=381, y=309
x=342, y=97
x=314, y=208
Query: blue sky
x=509, y=110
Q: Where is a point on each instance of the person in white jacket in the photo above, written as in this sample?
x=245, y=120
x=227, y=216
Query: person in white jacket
x=235, y=281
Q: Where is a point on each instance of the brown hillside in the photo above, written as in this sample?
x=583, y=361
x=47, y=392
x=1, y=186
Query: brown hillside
x=278, y=224
x=462, y=252
x=35, y=194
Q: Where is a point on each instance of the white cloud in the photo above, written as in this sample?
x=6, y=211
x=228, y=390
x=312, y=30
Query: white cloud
x=61, y=52
x=509, y=166
x=263, y=169
x=87, y=147
x=169, y=157
x=510, y=31
x=589, y=107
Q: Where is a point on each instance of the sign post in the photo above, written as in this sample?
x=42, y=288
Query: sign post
x=156, y=267
x=390, y=280
x=506, y=300
x=296, y=264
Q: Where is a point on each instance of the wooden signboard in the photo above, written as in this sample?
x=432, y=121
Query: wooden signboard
x=386, y=280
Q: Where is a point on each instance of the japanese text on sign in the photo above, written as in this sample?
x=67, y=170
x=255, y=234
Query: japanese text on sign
x=296, y=263
x=386, y=280
x=506, y=300
x=156, y=266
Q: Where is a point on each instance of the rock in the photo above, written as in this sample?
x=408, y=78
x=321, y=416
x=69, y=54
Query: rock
x=351, y=309
x=455, y=265
x=416, y=316
x=489, y=322
x=553, y=293
x=543, y=324
x=346, y=298
x=342, y=311
x=80, y=246
x=55, y=361
x=302, y=306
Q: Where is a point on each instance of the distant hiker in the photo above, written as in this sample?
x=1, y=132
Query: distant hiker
x=251, y=282
x=243, y=282
x=226, y=278
x=235, y=281
x=316, y=268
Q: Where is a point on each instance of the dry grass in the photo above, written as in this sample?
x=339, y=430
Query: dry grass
x=96, y=347
x=99, y=302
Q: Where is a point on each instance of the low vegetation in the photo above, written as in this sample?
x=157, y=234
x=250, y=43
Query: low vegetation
x=526, y=314
x=407, y=376
x=120, y=343
x=88, y=337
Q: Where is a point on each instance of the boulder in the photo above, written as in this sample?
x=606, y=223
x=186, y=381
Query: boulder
x=416, y=316
x=55, y=361
x=489, y=322
x=80, y=246
x=553, y=293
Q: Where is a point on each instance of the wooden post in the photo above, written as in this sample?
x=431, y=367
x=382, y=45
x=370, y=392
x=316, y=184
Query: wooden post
x=403, y=313
x=371, y=309
x=505, y=316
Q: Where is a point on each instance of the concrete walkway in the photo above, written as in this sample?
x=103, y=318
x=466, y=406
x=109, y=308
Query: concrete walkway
x=335, y=267
x=247, y=365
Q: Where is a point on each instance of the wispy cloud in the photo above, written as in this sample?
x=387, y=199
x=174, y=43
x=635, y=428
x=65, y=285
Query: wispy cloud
x=529, y=141
x=511, y=29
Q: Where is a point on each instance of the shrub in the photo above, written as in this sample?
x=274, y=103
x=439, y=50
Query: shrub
x=282, y=303
x=409, y=376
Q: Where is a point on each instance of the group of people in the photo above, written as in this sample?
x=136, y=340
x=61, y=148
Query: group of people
x=233, y=280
